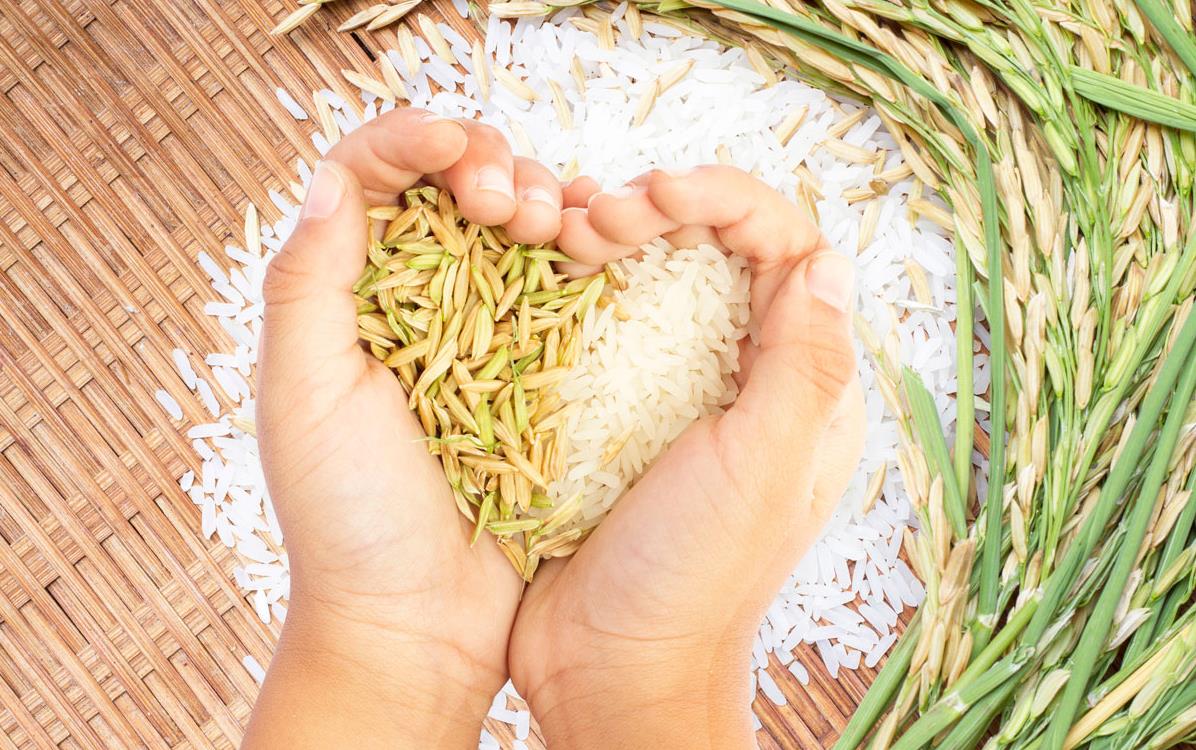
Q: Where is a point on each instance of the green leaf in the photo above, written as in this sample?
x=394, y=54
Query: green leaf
x=1133, y=100
x=930, y=431
x=1164, y=22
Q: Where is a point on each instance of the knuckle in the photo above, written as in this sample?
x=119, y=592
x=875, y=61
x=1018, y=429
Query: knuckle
x=486, y=136
x=743, y=230
x=530, y=169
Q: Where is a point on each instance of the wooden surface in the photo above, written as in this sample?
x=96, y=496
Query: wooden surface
x=132, y=134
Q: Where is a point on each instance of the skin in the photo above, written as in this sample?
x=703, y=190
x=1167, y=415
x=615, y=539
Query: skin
x=641, y=639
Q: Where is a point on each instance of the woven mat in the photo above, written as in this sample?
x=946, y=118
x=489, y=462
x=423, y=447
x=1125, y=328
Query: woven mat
x=132, y=134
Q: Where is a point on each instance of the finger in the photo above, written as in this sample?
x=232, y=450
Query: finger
x=391, y=152
x=747, y=218
x=598, y=249
x=483, y=179
x=580, y=241
x=310, y=315
x=537, y=216
x=694, y=235
x=799, y=378
x=627, y=216
x=577, y=193
x=750, y=218
x=576, y=270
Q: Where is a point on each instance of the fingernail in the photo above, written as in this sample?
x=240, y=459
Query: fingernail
x=431, y=118
x=621, y=192
x=831, y=278
x=324, y=194
x=679, y=171
x=537, y=194
x=496, y=180
x=625, y=191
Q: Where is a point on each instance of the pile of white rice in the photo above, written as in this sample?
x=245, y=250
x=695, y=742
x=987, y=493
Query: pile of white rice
x=662, y=355
x=846, y=595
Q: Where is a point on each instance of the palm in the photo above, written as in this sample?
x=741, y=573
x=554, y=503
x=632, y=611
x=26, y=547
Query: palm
x=385, y=515
x=383, y=490
x=643, y=561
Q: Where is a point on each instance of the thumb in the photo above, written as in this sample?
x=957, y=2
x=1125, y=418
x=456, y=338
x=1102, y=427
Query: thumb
x=310, y=314
x=804, y=370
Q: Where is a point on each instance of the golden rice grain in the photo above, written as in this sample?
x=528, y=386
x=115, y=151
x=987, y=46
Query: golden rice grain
x=435, y=40
x=369, y=85
x=392, y=15
x=406, y=42
x=512, y=83
x=362, y=17
x=294, y=19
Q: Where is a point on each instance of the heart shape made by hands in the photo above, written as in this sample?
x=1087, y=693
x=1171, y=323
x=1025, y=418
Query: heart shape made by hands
x=545, y=397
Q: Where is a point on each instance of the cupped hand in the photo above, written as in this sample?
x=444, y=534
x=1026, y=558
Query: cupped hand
x=388, y=598
x=654, y=615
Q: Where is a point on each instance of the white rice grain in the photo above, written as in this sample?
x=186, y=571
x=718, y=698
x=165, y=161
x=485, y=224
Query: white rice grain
x=207, y=397
x=182, y=363
x=292, y=106
x=169, y=403
x=254, y=668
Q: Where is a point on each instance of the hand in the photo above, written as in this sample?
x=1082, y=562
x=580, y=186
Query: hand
x=396, y=623
x=642, y=639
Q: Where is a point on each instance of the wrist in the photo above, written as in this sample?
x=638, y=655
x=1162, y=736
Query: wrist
x=631, y=697
x=432, y=693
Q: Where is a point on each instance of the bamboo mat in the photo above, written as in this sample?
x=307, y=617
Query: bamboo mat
x=132, y=134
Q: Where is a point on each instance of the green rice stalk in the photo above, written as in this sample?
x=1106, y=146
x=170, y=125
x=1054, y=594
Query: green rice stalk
x=1096, y=631
x=1163, y=615
x=965, y=399
x=969, y=730
x=1148, y=711
x=978, y=711
x=882, y=690
x=956, y=703
x=991, y=544
x=1131, y=667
